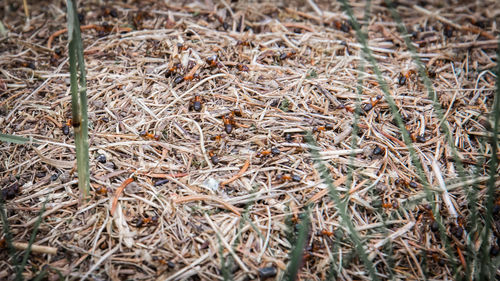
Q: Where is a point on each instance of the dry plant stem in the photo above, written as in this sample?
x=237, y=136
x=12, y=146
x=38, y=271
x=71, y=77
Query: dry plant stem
x=238, y=175
x=322, y=193
x=226, y=245
x=83, y=27
x=228, y=206
x=118, y=193
x=35, y=248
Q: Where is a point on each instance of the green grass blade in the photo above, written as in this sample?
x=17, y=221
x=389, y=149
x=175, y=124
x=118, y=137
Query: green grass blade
x=30, y=243
x=298, y=249
x=490, y=194
x=14, y=139
x=78, y=99
x=6, y=228
x=341, y=207
x=363, y=40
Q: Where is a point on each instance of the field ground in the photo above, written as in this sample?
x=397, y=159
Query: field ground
x=198, y=110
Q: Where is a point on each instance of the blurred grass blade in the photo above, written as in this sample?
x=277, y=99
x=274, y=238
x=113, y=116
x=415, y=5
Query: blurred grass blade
x=341, y=206
x=14, y=139
x=6, y=228
x=415, y=160
x=20, y=267
x=490, y=193
x=78, y=98
x=298, y=249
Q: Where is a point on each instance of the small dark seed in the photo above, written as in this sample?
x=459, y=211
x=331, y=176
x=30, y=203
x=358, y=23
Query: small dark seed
x=296, y=178
x=345, y=27
x=139, y=223
x=81, y=17
x=228, y=128
x=178, y=79
x=267, y=272
x=113, y=13
x=161, y=182
x=377, y=150
x=457, y=231
x=101, y=158
x=367, y=107
x=494, y=251
x=496, y=210
x=448, y=31
x=434, y=226
x=54, y=177
x=197, y=106
x=402, y=80
x=65, y=129
x=413, y=184
x=421, y=138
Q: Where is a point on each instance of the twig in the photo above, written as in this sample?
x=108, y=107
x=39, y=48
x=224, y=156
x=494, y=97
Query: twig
x=119, y=192
x=239, y=174
x=208, y=198
x=35, y=248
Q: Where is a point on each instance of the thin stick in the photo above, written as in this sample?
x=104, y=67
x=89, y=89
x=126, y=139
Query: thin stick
x=239, y=174
x=323, y=192
x=119, y=192
x=83, y=27
x=208, y=198
x=228, y=247
x=35, y=248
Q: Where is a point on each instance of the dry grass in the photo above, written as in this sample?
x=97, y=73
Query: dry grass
x=302, y=74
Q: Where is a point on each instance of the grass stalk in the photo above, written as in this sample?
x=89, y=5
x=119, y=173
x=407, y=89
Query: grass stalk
x=78, y=99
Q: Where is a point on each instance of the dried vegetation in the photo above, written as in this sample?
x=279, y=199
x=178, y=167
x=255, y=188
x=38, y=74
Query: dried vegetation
x=197, y=113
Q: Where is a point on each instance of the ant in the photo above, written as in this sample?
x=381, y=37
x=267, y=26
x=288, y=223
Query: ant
x=418, y=138
x=393, y=205
x=214, y=158
x=173, y=69
x=149, y=136
x=342, y=25
x=145, y=221
x=327, y=127
x=325, y=232
x=217, y=138
x=283, y=178
x=403, y=77
x=196, y=103
x=242, y=67
x=434, y=226
x=213, y=62
x=368, y=106
x=101, y=190
x=229, y=122
x=192, y=73
x=404, y=183
x=274, y=151
x=287, y=55
x=181, y=47
x=243, y=43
